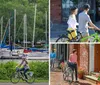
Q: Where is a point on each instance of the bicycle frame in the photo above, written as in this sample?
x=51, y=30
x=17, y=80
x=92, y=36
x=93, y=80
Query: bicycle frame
x=21, y=74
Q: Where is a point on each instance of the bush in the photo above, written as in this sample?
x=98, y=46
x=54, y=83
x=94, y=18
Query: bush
x=40, y=69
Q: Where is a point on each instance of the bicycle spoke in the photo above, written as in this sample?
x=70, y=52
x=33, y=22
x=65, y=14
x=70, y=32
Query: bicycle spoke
x=30, y=77
x=67, y=75
x=15, y=77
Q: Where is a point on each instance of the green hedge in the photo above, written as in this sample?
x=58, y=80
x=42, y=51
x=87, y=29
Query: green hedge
x=40, y=69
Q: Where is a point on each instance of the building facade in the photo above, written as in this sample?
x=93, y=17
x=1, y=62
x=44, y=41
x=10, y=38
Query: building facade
x=88, y=55
x=60, y=9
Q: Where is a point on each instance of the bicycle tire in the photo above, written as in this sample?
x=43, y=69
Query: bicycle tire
x=68, y=75
x=16, y=74
x=63, y=39
x=30, y=77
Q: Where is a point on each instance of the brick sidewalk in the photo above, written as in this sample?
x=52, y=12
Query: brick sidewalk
x=56, y=78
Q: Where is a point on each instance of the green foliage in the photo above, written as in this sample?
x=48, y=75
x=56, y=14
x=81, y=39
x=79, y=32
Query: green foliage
x=40, y=69
x=25, y=7
x=7, y=69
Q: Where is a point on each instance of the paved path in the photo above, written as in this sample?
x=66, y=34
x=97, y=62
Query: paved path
x=24, y=84
x=57, y=79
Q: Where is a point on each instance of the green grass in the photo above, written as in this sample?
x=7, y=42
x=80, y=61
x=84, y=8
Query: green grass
x=40, y=80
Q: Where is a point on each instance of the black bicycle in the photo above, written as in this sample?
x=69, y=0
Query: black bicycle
x=65, y=38
x=16, y=76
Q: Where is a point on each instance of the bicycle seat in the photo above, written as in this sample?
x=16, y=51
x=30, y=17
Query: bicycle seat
x=70, y=31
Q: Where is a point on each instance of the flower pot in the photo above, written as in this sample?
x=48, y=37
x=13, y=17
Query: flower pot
x=98, y=83
x=80, y=76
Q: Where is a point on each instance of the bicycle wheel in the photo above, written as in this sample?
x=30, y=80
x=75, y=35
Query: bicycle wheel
x=68, y=74
x=31, y=77
x=15, y=78
x=63, y=39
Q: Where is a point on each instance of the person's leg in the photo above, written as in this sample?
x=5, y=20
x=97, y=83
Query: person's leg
x=25, y=71
x=85, y=37
x=76, y=71
x=53, y=62
x=22, y=69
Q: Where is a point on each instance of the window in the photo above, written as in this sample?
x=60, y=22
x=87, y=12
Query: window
x=66, y=4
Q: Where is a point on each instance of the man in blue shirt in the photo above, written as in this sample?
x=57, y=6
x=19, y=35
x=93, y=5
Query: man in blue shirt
x=52, y=58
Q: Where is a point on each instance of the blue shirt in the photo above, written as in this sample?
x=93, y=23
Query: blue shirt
x=52, y=55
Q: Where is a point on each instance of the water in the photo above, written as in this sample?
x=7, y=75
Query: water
x=19, y=60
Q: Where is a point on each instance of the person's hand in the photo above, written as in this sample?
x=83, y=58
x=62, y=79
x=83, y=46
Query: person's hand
x=90, y=27
x=16, y=66
x=75, y=63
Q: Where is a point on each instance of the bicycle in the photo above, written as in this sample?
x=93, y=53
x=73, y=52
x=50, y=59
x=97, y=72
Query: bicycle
x=68, y=74
x=79, y=38
x=65, y=38
x=16, y=76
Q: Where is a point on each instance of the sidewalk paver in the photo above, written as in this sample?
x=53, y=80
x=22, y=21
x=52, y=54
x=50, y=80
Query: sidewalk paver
x=56, y=78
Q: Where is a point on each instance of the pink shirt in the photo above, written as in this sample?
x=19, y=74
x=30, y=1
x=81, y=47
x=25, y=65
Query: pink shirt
x=73, y=58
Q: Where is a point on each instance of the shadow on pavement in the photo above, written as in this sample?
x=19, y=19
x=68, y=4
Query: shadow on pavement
x=81, y=83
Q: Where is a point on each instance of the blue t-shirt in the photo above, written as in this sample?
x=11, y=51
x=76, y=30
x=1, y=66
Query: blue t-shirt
x=52, y=55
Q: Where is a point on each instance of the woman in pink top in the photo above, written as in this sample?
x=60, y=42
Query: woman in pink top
x=73, y=62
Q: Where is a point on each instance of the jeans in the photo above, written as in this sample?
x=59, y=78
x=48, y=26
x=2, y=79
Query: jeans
x=25, y=70
x=52, y=61
x=73, y=66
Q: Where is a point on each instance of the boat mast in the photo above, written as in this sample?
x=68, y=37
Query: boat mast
x=14, y=28
x=34, y=25
x=46, y=28
x=25, y=31
x=1, y=28
x=9, y=32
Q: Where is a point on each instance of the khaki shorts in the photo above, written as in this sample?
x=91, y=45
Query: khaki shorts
x=85, y=35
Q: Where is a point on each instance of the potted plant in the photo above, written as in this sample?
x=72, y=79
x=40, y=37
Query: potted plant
x=98, y=79
x=80, y=73
x=62, y=65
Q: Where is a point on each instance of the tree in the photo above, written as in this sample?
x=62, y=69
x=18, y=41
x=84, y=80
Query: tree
x=25, y=6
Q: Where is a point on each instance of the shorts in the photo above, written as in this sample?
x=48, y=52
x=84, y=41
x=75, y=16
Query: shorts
x=85, y=35
x=73, y=34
